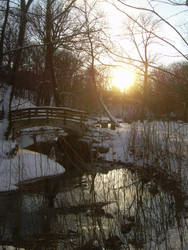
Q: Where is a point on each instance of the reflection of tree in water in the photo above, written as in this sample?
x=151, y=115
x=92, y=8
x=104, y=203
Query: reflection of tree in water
x=107, y=210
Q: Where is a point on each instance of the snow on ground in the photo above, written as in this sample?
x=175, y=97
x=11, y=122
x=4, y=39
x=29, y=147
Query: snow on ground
x=26, y=166
x=173, y=134
x=28, y=136
x=150, y=143
x=17, y=102
x=158, y=143
x=17, y=165
x=23, y=165
x=118, y=143
x=158, y=132
x=20, y=103
x=6, y=146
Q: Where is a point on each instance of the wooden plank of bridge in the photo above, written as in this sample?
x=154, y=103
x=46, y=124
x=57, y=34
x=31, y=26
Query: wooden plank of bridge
x=52, y=115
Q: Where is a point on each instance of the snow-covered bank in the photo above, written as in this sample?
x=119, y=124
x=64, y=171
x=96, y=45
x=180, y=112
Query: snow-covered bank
x=26, y=166
x=17, y=166
x=159, y=144
x=17, y=102
x=29, y=136
x=118, y=144
x=153, y=135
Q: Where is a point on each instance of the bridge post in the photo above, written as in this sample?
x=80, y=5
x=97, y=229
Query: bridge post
x=36, y=112
x=52, y=114
x=29, y=114
x=47, y=117
x=64, y=120
x=81, y=119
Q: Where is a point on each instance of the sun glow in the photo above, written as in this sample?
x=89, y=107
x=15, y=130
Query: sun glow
x=122, y=78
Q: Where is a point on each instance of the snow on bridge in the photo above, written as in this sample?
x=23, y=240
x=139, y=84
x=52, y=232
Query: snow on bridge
x=70, y=120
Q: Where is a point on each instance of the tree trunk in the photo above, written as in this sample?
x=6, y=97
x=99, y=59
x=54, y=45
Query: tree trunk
x=146, y=84
x=20, y=43
x=17, y=58
x=21, y=35
x=49, y=74
x=3, y=33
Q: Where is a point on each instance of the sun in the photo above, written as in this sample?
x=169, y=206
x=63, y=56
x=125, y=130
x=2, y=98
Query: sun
x=122, y=78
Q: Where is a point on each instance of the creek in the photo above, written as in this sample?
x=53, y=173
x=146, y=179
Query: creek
x=106, y=205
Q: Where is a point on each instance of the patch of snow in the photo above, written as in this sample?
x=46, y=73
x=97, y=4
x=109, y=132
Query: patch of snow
x=37, y=134
x=25, y=141
x=9, y=247
x=6, y=147
x=119, y=144
x=103, y=119
x=26, y=166
x=6, y=101
x=41, y=128
x=17, y=102
x=112, y=118
x=21, y=103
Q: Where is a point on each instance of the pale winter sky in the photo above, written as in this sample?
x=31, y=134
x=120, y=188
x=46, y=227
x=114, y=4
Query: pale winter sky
x=176, y=15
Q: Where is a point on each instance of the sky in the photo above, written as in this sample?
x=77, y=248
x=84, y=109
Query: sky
x=116, y=20
x=176, y=15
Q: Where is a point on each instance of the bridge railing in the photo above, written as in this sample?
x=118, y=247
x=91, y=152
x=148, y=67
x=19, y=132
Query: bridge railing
x=49, y=113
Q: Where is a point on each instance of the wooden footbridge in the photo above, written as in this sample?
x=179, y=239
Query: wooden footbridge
x=70, y=120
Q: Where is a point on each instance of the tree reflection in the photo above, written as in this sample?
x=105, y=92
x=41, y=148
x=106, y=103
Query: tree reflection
x=110, y=211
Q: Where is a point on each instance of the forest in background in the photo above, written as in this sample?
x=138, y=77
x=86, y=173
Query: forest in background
x=63, y=52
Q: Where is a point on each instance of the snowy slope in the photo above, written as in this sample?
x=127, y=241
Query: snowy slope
x=118, y=144
x=26, y=165
x=16, y=165
x=17, y=102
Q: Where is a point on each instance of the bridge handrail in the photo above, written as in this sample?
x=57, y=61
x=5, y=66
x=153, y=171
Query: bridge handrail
x=51, y=108
x=50, y=113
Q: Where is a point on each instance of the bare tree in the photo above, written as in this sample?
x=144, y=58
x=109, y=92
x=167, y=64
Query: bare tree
x=24, y=7
x=123, y=6
x=54, y=24
x=94, y=48
x=142, y=43
x=49, y=67
x=179, y=49
x=3, y=29
x=173, y=2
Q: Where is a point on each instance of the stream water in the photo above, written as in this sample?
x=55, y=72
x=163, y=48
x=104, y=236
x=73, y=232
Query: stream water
x=107, y=205
x=115, y=209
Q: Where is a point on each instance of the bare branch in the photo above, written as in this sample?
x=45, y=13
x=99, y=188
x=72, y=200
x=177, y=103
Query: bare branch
x=160, y=38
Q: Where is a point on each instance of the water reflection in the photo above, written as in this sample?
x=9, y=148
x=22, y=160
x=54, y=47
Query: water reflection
x=116, y=210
